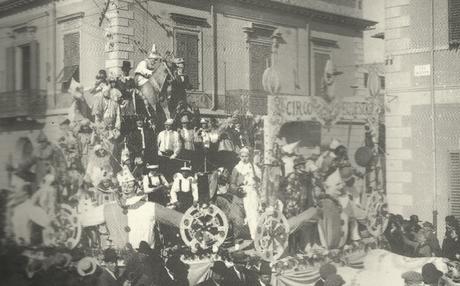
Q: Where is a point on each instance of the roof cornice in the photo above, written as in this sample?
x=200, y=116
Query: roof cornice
x=13, y=6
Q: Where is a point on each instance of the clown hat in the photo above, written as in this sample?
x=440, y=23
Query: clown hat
x=125, y=176
x=184, y=119
x=204, y=121
x=153, y=53
x=169, y=121
x=290, y=148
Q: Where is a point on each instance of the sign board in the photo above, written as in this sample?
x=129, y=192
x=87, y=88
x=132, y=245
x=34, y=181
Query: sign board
x=422, y=70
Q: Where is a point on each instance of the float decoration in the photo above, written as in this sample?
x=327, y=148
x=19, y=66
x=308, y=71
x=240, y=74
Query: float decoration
x=66, y=231
x=272, y=235
x=377, y=214
x=204, y=227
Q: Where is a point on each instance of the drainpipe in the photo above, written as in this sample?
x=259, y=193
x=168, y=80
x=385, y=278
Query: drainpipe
x=215, y=90
x=53, y=52
x=433, y=123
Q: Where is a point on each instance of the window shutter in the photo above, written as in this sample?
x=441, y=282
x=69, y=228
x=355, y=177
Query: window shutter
x=34, y=65
x=454, y=22
x=260, y=58
x=10, y=69
x=72, y=55
x=187, y=48
x=320, y=61
x=454, y=199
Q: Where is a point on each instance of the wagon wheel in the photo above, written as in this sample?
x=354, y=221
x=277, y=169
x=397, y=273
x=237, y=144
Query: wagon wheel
x=204, y=227
x=376, y=213
x=272, y=235
x=67, y=231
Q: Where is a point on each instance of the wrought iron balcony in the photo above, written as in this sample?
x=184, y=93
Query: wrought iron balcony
x=243, y=100
x=23, y=103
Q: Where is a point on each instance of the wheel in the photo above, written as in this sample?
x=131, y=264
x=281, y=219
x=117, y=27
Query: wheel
x=272, y=235
x=203, y=227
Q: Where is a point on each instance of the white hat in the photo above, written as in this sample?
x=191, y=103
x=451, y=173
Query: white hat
x=86, y=266
x=334, y=144
x=152, y=167
x=179, y=61
x=169, y=121
x=48, y=179
x=203, y=120
x=153, y=53
x=290, y=148
x=184, y=119
x=125, y=176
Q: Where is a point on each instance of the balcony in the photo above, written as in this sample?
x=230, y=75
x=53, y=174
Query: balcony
x=243, y=100
x=23, y=103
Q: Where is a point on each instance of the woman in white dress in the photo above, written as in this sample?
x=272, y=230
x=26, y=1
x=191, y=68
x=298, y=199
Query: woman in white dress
x=246, y=177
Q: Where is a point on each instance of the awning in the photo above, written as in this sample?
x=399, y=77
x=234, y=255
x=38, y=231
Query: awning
x=66, y=74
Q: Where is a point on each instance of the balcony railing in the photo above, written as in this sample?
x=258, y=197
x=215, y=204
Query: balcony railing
x=23, y=103
x=244, y=100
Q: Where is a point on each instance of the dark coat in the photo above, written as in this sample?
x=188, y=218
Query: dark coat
x=106, y=279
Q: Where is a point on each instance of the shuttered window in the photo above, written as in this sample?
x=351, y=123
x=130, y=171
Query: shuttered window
x=454, y=198
x=25, y=67
x=320, y=60
x=454, y=22
x=10, y=69
x=187, y=47
x=259, y=60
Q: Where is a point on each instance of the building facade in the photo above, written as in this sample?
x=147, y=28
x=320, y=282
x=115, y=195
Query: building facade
x=422, y=71
x=226, y=44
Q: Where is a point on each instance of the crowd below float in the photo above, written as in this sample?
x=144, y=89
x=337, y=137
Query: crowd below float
x=107, y=203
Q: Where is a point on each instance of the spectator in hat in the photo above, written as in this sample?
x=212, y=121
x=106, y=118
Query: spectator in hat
x=184, y=190
x=431, y=275
x=109, y=274
x=179, y=85
x=412, y=278
x=139, y=142
x=334, y=280
x=265, y=274
x=325, y=271
x=155, y=185
x=125, y=83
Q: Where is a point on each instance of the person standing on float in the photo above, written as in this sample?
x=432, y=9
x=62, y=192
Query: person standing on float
x=246, y=177
x=130, y=219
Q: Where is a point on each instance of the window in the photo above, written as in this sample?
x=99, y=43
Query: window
x=259, y=60
x=71, y=60
x=454, y=22
x=187, y=47
x=319, y=61
x=454, y=197
x=366, y=77
x=382, y=82
x=25, y=67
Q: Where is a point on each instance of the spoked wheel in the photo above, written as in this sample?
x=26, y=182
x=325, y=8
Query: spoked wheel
x=204, y=227
x=272, y=235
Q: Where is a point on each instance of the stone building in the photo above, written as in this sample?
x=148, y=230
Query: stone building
x=415, y=184
x=227, y=45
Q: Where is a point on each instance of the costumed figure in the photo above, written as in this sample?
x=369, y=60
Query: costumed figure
x=25, y=215
x=131, y=219
x=328, y=82
x=46, y=158
x=46, y=196
x=84, y=136
x=326, y=161
x=156, y=186
x=143, y=72
x=99, y=165
x=246, y=177
x=100, y=84
x=184, y=190
x=187, y=136
x=68, y=143
x=106, y=109
x=289, y=155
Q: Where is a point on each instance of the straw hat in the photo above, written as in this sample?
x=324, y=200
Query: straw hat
x=152, y=167
x=86, y=266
